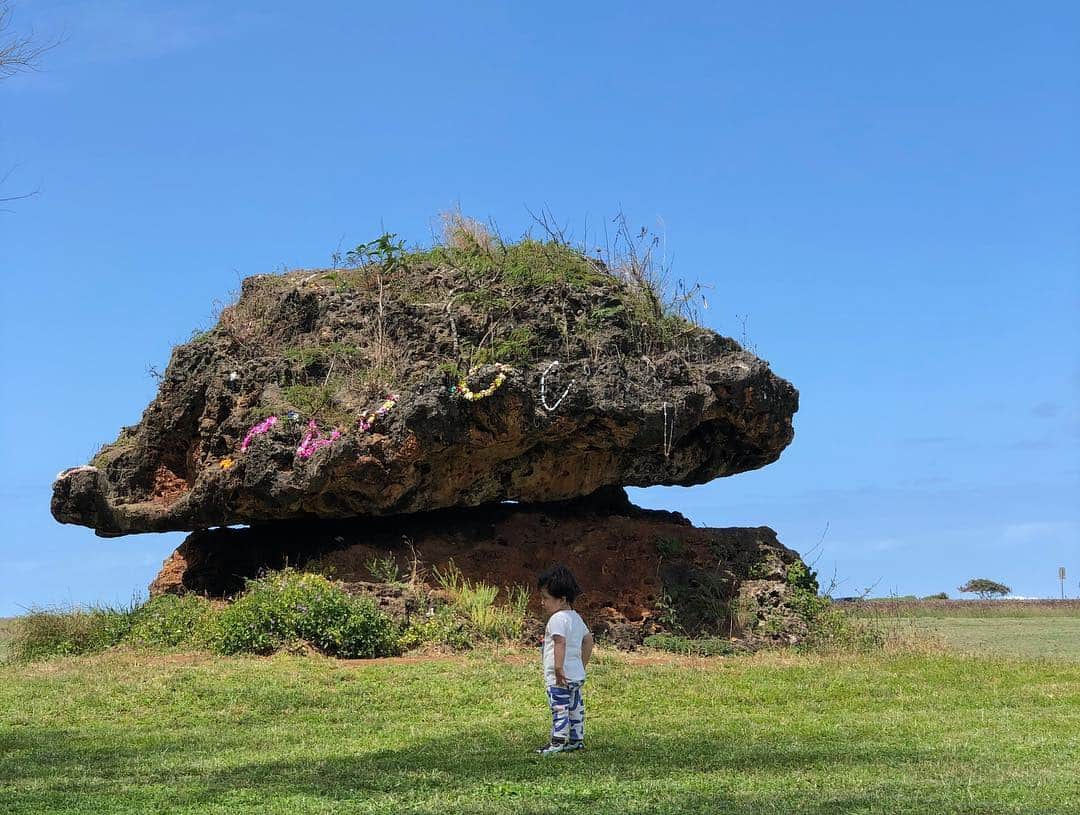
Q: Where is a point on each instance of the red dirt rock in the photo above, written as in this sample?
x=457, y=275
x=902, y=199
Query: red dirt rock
x=637, y=567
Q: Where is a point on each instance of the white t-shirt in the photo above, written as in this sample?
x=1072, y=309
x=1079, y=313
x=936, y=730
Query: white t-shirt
x=567, y=624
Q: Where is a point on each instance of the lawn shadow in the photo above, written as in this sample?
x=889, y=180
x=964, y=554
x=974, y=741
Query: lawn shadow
x=41, y=768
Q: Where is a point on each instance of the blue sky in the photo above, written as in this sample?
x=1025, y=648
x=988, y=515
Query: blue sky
x=885, y=193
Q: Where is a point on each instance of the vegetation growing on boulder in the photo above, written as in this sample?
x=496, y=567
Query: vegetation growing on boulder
x=643, y=395
x=504, y=301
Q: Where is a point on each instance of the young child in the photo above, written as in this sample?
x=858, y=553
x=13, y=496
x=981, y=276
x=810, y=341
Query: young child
x=568, y=644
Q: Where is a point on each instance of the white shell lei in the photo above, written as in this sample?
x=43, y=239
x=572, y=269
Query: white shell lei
x=669, y=431
x=543, y=388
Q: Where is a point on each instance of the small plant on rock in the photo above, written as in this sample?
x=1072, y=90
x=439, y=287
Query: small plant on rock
x=383, y=569
x=669, y=547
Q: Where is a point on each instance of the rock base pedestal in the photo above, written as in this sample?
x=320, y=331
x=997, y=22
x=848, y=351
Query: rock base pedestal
x=641, y=570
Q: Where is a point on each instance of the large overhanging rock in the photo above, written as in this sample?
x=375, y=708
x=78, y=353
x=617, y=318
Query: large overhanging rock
x=571, y=384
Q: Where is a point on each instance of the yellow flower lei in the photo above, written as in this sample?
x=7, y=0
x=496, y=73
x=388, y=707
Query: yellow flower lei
x=472, y=396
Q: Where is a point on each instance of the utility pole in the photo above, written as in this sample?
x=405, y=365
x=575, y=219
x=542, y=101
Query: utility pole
x=1061, y=577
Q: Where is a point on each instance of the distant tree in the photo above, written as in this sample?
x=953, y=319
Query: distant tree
x=985, y=588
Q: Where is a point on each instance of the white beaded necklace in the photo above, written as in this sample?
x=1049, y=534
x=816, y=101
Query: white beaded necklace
x=543, y=388
x=669, y=432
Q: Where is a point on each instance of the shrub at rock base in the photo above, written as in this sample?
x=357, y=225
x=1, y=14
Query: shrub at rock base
x=170, y=622
x=831, y=630
x=445, y=627
x=288, y=607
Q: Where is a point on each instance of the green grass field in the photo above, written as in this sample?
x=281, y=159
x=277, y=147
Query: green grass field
x=774, y=733
x=1050, y=637
x=959, y=729
x=1022, y=628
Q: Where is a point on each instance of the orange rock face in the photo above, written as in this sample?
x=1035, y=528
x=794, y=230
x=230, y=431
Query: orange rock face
x=640, y=570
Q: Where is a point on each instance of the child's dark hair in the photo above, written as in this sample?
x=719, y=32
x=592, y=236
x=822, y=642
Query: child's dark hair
x=559, y=582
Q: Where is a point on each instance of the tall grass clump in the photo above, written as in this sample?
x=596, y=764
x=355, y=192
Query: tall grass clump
x=475, y=601
x=472, y=614
x=830, y=630
x=286, y=608
x=837, y=631
x=45, y=633
x=442, y=626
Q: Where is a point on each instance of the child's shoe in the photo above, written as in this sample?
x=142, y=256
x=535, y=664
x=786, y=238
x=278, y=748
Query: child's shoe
x=553, y=747
x=574, y=745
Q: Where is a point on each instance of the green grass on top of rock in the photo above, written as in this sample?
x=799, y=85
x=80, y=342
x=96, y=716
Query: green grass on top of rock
x=527, y=264
x=331, y=344
x=321, y=356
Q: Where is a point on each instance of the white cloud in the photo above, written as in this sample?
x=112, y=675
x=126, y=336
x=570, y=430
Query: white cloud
x=886, y=545
x=1019, y=534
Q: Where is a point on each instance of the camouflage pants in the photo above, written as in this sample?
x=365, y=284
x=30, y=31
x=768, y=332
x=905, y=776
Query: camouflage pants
x=567, y=712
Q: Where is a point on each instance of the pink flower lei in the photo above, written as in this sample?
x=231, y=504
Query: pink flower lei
x=257, y=430
x=313, y=440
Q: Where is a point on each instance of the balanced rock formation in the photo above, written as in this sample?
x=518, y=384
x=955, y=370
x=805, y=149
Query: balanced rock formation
x=404, y=383
x=327, y=396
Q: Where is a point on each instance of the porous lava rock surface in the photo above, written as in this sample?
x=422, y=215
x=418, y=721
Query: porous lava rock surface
x=618, y=409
